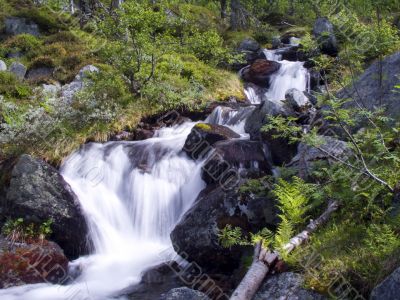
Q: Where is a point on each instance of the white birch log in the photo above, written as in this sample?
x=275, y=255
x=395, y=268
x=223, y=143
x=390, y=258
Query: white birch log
x=263, y=258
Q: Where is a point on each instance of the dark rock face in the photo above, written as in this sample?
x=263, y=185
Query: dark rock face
x=260, y=71
x=373, y=90
x=196, y=235
x=203, y=136
x=286, y=286
x=184, y=293
x=307, y=156
x=37, y=192
x=40, y=74
x=388, y=289
x=21, y=263
x=323, y=32
x=14, y=26
x=232, y=156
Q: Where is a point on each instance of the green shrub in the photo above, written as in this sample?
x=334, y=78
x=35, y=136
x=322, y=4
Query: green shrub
x=25, y=43
x=11, y=87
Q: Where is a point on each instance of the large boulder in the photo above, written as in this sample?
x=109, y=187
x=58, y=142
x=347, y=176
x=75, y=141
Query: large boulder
x=203, y=136
x=18, y=69
x=388, y=289
x=308, y=156
x=14, y=26
x=184, y=293
x=234, y=156
x=288, y=286
x=22, y=263
x=251, y=50
x=374, y=89
x=37, y=193
x=324, y=33
x=68, y=91
x=260, y=71
x=3, y=66
x=39, y=74
x=196, y=235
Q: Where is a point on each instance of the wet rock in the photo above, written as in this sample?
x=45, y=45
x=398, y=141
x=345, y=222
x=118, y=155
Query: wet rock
x=40, y=262
x=3, y=66
x=143, y=134
x=297, y=100
x=324, y=33
x=196, y=234
x=373, y=91
x=14, y=26
x=286, y=286
x=69, y=90
x=37, y=193
x=260, y=71
x=251, y=50
x=39, y=74
x=232, y=159
x=184, y=293
x=18, y=69
x=276, y=42
x=388, y=289
x=203, y=136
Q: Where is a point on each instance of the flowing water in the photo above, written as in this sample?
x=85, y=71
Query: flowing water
x=132, y=195
x=291, y=74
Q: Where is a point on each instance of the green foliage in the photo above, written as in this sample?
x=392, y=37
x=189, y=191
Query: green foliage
x=11, y=87
x=17, y=230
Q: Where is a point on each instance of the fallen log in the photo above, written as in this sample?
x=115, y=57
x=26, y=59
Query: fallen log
x=264, y=259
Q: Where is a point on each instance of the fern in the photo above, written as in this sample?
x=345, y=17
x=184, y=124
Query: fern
x=229, y=236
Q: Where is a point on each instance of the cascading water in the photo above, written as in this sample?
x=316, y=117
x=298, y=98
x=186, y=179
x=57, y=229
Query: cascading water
x=291, y=74
x=132, y=195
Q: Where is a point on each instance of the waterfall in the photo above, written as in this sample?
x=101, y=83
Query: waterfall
x=291, y=74
x=132, y=195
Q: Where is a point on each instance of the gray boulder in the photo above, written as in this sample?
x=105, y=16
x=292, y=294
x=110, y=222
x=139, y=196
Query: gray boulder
x=14, y=26
x=297, y=100
x=184, y=293
x=372, y=90
x=286, y=286
x=68, y=91
x=324, y=33
x=307, y=156
x=3, y=66
x=251, y=49
x=196, y=235
x=37, y=192
x=18, y=69
x=388, y=289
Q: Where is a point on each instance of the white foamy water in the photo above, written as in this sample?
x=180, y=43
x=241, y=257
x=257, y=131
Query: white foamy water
x=132, y=195
x=291, y=74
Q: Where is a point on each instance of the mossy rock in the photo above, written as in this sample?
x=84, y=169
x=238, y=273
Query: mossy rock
x=203, y=136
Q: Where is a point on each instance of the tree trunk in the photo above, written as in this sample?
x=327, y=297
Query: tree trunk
x=235, y=15
x=264, y=259
x=223, y=9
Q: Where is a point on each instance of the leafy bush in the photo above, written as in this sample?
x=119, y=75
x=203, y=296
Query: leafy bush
x=20, y=231
x=25, y=43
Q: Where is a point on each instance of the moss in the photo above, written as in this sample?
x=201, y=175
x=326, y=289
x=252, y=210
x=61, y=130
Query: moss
x=25, y=43
x=43, y=62
x=203, y=126
x=62, y=36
